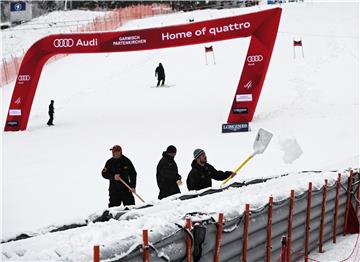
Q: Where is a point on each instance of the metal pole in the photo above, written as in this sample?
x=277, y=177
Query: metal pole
x=269, y=230
x=307, y=228
x=146, y=245
x=322, y=221
x=336, y=206
x=218, y=237
x=188, y=241
x=245, y=235
x=290, y=220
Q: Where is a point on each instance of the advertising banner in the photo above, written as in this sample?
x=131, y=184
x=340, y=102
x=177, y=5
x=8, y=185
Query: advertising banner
x=261, y=26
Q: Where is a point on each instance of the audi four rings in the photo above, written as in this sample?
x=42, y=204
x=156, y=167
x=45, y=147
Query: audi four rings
x=254, y=58
x=66, y=42
x=23, y=77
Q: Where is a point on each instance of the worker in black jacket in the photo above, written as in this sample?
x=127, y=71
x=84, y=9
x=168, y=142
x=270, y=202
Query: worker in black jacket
x=167, y=176
x=120, y=170
x=201, y=173
x=160, y=74
x=51, y=113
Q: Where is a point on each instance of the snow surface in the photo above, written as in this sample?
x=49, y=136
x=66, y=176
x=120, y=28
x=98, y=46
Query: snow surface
x=51, y=175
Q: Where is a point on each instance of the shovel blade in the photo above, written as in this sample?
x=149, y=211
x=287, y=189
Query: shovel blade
x=262, y=140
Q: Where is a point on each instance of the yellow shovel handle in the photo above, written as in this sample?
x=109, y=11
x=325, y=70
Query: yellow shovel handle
x=237, y=169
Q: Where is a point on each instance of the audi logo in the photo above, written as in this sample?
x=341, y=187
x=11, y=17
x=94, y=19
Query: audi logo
x=23, y=78
x=254, y=58
x=66, y=42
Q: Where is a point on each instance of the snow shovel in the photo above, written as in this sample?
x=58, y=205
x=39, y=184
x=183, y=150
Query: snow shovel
x=262, y=140
x=132, y=191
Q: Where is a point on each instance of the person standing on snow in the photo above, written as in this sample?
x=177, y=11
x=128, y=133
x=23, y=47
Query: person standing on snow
x=167, y=176
x=51, y=113
x=160, y=74
x=201, y=173
x=118, y=168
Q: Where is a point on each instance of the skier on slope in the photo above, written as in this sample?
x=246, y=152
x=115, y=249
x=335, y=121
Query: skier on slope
x=116, y=168
x=160, y=74
x=201, y=173
x=167, y=176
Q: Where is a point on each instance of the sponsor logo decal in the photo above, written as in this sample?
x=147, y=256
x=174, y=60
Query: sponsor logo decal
x=252, y=59
x=12, y=123
x=68, y=42
x=23, y=78
x=231, y=128
x=241, y=110
x=129, y=40
x=18, y=101
x=15, y=112
x=244, y=98
x=248, y=85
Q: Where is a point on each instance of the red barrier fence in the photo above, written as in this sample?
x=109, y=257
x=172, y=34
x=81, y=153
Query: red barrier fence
x=286, y=250
x=112, y=20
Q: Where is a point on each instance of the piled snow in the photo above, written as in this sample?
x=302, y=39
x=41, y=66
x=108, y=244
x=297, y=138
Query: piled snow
x=51, y=175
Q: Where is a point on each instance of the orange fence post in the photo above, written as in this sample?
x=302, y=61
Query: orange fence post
x=283, y=249
x=348, y=202
x=336, y=206
x=188, y=241
x=322, y=221
x=245, y=235
x=290, y=220
x=307, y=227
x=357, y=199
x=218, y=237
x=96, y=254
x=146, y=245
x=269, y=230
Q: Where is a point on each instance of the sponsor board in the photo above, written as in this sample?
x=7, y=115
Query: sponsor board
x=15, y=112
x=241, y=110
x=244, y=98
x=12, y=123
x=233, y=128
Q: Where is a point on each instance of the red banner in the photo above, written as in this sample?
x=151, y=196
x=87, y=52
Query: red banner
x=261, y=26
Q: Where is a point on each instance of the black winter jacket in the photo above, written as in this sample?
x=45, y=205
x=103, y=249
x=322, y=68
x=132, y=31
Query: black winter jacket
x=166, y=176
x=125, y=169
x=200, y=176
x=160, y=72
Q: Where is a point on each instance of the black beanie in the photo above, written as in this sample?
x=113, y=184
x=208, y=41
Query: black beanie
x=171, y=149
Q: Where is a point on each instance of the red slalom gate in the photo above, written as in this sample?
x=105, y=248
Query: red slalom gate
x=261, y=26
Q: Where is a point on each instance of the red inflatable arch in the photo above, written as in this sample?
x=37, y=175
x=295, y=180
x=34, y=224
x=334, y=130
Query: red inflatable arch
x=262, y=26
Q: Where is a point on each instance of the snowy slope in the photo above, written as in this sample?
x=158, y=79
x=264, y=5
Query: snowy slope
x=52, y=175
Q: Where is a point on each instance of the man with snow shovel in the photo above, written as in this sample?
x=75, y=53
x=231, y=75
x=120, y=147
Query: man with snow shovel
x=201, y=173
x=122, y=177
